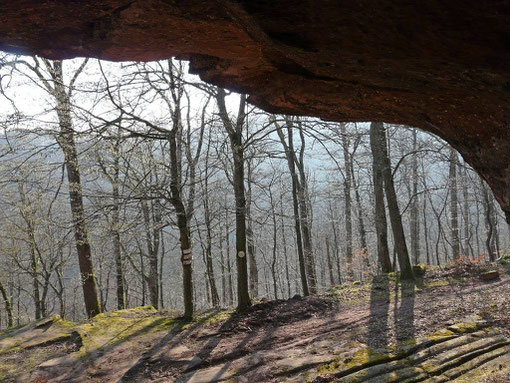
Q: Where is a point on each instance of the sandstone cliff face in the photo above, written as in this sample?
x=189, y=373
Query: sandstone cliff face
x=443, y=66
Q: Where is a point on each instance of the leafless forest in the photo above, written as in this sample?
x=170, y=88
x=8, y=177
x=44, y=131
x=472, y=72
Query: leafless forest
x=136, y=184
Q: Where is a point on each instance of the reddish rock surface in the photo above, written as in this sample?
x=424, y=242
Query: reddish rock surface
x=443, y=66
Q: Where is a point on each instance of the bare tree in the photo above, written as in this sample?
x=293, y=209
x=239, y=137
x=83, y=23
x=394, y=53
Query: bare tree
x=380, y=152
x=235, y=134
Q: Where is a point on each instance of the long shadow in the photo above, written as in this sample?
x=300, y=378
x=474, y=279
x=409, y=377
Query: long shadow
x=404, y=313
x=174, y=338
x=209, y=347
x=239, y=351
x=264, y=329
x=378, y=329
x=93, y=355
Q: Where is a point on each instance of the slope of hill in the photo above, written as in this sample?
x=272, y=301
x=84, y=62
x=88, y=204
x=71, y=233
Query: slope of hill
x=452, y=326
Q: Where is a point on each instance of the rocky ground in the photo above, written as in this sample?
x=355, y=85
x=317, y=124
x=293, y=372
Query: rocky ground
x=451, y=326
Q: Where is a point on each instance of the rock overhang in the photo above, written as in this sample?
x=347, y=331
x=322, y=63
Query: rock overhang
x=441, y=66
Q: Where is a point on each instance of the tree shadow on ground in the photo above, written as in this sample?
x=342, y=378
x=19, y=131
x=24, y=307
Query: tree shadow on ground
x=378, y=327
x=92, y=359
x=404, y=311
x=380, y=330
x=240, y=342
x=260, y=323
x=174, y=338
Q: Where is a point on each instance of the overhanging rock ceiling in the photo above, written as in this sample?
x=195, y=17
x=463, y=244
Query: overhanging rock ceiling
x=443, y=66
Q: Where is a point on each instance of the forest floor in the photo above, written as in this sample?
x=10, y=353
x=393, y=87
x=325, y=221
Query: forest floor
x=451, y=326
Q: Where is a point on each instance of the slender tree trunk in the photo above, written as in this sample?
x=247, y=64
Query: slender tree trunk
x=361, y=221
x=119, y=270
x=152, y=240
x=67, y=143
x=383, y=253
x=215, y=299
x=426, y=230
x=488, y=222
x=142, y=272
x=454, y=204
x=330, y=264
x=465, y=207
x=415, y=219
x=275, y=245
x=295, y=205
x=253, y=270
x=26, y=213
x=304, y=210
x=229, y=267
x=284, y=244
x=182, y=224
x=223, y=271
x=243, y=297
x=161, y=270
x=347, y=200
x=378, y=135
x=236, y=143
x=335, y=250
x=7, y=303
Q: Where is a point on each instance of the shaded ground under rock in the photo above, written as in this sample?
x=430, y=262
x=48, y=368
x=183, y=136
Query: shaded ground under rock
x=447, y=328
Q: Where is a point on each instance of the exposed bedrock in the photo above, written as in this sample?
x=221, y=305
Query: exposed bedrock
x=443, y=66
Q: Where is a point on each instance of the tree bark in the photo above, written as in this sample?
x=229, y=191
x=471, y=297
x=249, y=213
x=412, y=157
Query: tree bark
x=7, y=303
x=182, y=224
x=236, y=143
x=454, y=204
x=347, y=201
x=253, y=270
x=27, y=214
x=295, y=205
x=381, y=226
x=415, y=219
x=304, y=210
x=119, y=269
x=378, y=134
x=67, y=143
x=488, y=222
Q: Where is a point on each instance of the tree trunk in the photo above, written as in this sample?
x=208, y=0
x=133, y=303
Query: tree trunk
x=361, y=221
x=347, y=201
x=223, y=271
x=7, y=303
x=68, y=146
x=378, y=134
x=488, y=222
x=415, y=219
x=119, y=273
x=237, y=147
x=275, y=245
x=454, y=206
x=465, y=207
x=26, y=213
x=229, y=267
x=215, y=299
x=383, y=253
x=304, y=210
x=182, y=224
x=295, y=205
x=335, y=250
x=253, y=271
x=284, y=245
x=152, y=242
x=330, y=264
